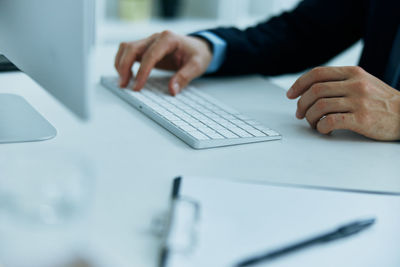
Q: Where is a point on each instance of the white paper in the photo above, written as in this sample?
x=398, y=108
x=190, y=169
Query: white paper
x=239, y=220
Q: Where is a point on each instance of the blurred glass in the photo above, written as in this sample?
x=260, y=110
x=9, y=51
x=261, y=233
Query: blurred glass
x=135, y=10
x=49, y=187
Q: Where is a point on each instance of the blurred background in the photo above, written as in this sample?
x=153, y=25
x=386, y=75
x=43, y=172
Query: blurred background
x=134, y=19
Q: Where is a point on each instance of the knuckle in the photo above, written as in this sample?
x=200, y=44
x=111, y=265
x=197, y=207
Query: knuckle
x=316, y=89
x=356, y=70
x=361, y=86
x=130, y=46
x=122, y=45
x=321, y=104
x=317, y=71
x=154, y=35
x=166, y=34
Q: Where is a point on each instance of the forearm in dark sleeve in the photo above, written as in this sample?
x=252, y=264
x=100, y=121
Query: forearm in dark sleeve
x=311, y=34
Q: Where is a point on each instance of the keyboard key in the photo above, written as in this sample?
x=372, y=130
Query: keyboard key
x=185, y=117
x=215, y=135
x=239, y=123
x=207, y=121
x=188, y=128
x=240, y=132
x=198, y=125
x=180, y=123
x=172, y=117
x=192, y=120
x=228, y=134
x=226, y=123
x=271, y=133
x=262, y=128
x=216, y=127
x=199, y=135
x=256, y=133
x=207, y=130
x=247, y=127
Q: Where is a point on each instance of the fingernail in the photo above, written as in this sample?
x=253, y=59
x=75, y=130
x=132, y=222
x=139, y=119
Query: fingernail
x=176, y=87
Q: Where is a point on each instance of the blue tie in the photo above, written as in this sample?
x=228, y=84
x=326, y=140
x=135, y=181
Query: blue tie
x=393, y=70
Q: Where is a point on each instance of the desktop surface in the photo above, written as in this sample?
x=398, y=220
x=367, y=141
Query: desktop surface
x=133, y=161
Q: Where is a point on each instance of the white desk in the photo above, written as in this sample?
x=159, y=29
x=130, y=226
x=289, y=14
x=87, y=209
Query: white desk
x=134, y=160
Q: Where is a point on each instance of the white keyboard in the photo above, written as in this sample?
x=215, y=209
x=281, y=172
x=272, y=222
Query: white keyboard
x=198, y=119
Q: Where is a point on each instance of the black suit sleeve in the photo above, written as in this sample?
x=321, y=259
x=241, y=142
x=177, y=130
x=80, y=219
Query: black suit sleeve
x=311, y=34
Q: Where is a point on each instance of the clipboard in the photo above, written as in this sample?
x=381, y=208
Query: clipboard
x=217, y=223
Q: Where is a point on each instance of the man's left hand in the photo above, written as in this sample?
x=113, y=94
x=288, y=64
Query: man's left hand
x=348, y=98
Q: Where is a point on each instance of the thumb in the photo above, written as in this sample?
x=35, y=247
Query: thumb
x=184, y=76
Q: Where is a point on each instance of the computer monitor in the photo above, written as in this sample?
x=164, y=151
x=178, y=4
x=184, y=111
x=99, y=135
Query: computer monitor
x=51, y=41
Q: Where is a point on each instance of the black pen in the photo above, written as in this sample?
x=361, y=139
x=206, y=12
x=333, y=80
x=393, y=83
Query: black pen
x=341, y=232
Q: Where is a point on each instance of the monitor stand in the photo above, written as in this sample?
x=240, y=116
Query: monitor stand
x=20, y=122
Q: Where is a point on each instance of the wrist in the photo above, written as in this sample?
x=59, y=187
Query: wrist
x=203, y=49
x=204, y=41
x=217, y=48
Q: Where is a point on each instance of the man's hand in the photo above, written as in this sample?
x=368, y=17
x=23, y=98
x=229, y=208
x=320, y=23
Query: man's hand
x=348, y=98
x=189, y=56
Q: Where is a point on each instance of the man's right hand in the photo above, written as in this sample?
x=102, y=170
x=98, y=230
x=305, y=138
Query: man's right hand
x=188, y=56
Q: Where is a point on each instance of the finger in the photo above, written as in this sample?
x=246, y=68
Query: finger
x=156, y=52
x=326, y=106
x=318, y=91
x=127, y=60
x=184, y=76
x=121, y=49
x=129, y=54
x=335, y=122
x=317, y=75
